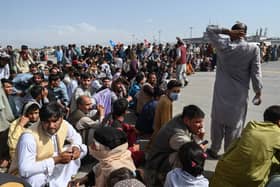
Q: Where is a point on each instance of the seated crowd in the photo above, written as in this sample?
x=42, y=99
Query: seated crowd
x=56, y=115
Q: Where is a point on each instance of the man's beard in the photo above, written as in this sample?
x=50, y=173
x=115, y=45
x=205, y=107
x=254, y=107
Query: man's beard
x=32, y=123
x=24, y=56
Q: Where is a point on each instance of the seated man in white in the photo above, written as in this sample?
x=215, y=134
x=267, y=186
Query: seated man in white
x=42, y=156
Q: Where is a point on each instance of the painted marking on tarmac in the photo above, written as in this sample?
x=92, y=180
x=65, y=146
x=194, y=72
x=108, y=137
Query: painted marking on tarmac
x=271, y=71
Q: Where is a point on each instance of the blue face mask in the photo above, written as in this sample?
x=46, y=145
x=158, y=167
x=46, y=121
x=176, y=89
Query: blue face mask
x=174, y=96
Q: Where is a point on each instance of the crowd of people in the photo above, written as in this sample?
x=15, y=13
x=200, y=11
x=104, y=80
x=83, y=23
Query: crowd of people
x=55, y=114
x=269, y=52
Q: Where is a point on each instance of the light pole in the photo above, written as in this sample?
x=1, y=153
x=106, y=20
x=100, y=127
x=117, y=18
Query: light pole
x=159, y=32
x=191, y=28
x=133, y=36
x=154, y=39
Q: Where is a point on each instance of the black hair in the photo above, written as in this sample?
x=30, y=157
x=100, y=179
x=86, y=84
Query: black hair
x=55, y=66
x=118, y=69
x=173, y=83
x=106, y=78
x=32, y=65
x=6, y=81
x=151, y=73
x=148, y=90
x=49, y=62
x=272, y=114
x=53, y=77
x=119, y=175
x=110, y=137
x=158, y=92
x=12, y=71
x=119, y=107
x=193, y=111
x=76, y=73
x=39, y=74
x=192, y=158
x=115, y=83
x=52, y=68
x=86, y=75
x=239, y=26
x=61, y=75
x=50, y=110
x=139, y=77
x=35, y=91
x=24, y=47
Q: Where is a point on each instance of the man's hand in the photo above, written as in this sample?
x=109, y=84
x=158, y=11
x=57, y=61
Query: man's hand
x=100, y=110
x=129, y=98
x=75, y=153
x=23, y=121
x=201, y=133
x=44, y=92
x=203, y=147
x=78, y=182
x=63, y=158
x=257, y=99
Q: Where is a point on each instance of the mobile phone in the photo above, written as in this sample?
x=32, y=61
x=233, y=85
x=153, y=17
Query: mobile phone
x=204, y=142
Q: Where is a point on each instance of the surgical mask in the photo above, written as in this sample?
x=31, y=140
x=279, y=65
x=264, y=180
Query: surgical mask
x=174, y=96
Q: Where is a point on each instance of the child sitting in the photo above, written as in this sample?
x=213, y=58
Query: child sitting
x=192, y=158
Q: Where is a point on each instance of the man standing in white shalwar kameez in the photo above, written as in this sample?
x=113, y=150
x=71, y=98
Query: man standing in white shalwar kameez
x=42, y=157
x=238, y=62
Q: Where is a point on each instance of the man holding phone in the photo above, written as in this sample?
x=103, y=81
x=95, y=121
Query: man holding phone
x=183, y=128
x=41, y=156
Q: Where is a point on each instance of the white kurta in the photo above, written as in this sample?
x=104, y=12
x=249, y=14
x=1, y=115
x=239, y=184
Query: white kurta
x=238, y=62
x=37, y=173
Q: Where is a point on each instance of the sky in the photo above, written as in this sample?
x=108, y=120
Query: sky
x=39, y=23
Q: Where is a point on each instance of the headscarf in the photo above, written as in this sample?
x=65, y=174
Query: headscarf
x=112, y=153
x=25, y=108
x=130, y=183
x=3, y=54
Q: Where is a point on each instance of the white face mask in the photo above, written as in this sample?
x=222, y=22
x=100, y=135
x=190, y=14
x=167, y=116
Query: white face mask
x=174, y=96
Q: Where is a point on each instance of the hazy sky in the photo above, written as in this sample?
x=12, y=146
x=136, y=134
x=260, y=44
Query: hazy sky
x=49, y=22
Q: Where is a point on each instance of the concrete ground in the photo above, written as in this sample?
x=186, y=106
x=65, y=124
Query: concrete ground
x=200, y=91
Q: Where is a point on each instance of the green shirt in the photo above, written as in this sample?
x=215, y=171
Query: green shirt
x=249, y=159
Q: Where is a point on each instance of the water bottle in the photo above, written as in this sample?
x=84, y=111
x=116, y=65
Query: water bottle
x=256, y=101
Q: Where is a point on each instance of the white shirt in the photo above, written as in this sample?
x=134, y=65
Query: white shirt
x=5, y=72
x=38, y=173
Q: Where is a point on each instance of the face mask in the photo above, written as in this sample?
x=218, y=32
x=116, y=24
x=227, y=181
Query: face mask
x=174, y=96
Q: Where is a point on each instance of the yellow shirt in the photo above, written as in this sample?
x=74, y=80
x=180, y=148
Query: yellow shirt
x=14, y=133
x=163, y=114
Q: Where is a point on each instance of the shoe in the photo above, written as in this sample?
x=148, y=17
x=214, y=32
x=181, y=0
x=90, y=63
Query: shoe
x=212, y=154
x=186, y=83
